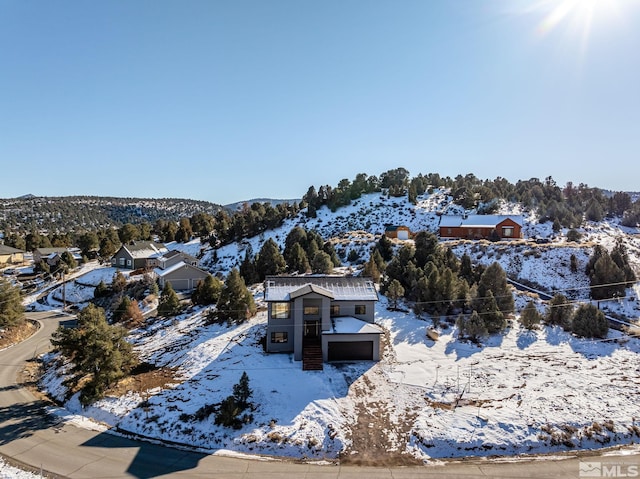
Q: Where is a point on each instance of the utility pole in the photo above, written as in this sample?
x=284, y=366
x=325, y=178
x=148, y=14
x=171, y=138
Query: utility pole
x=64, y=294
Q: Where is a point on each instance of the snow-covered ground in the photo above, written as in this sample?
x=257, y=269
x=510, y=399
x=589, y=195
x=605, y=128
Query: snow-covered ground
x=520, y=392
x=10, y=472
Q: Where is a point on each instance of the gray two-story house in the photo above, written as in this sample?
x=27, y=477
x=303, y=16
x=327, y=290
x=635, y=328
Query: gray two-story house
x=322, y=318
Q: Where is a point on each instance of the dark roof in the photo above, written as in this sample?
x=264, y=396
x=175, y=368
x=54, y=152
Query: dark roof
x=395, y=227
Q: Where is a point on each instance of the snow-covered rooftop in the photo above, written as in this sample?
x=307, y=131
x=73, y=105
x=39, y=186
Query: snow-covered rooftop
x=350, y=325
x=279, y=288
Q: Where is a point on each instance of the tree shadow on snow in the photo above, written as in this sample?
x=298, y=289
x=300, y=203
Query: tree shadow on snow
x=526, y=338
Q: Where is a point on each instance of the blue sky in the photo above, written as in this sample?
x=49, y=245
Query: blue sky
x=227, y=101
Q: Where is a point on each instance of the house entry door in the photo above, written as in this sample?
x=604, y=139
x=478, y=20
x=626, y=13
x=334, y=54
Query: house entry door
x=311, y=329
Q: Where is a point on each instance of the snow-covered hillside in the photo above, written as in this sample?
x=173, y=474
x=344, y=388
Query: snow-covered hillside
x=520, y=392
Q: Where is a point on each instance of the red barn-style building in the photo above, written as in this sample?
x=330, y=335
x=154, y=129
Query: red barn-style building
x=481, y=226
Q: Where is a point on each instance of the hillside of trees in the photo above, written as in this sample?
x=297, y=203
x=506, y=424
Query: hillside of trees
x=565, y=206
x=73, y=213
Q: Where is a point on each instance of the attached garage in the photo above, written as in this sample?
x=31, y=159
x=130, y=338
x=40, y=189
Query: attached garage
x=350, y=351
x=351, y=339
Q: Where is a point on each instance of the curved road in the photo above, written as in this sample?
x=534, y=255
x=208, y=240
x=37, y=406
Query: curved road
x=29, y=434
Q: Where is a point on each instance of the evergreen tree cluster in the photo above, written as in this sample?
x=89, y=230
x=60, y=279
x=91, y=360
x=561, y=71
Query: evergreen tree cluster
x=438, y=283
x=304, y=252
x=586, y=321
x=609, y=273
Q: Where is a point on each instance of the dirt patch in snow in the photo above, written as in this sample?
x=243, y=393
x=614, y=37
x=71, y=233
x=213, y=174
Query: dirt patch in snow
x=380, y=432
x=144, y=378
x=15, y=334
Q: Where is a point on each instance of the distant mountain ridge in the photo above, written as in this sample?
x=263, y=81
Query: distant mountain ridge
x=273, y=202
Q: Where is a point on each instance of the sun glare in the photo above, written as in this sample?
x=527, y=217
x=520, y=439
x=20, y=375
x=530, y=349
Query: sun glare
x=577, y=14
x=577, y=19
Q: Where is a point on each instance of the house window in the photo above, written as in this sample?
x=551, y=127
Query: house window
x=128, y=262
x=311, y=310
x=507, y=231
x=121, y=260
x=281, y=337
x=361, y=309
x=280, y=311
x=335, y=310
x=449, y=231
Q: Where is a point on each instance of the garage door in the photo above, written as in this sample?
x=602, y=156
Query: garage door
x=403, y=235
x=350, y=351
x=180, y=284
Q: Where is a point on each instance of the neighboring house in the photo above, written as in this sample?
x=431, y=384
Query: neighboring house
x=174, y=257
x=322, y=318
x=9, y=255
x=138, y=255
x=182, y=276
x=53, y=256
x=398, y=232
x=481, y=226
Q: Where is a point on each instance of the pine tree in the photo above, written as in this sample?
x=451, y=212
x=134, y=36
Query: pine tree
x=573, y=263
x=270, y=261
x=466, y=268
x=607, y=279
x=494, y=280
x=590, y=322
x=119, y=312
x=248, y=269
x=371, y=270
x=472, y=327
x=559, y=312
x=97, y=349
x=207, y=291
x=297, y=260
x=493, y=318
x=395, y=291
x=321, y=263
x=169, y=304
x=11, y=309
x=530, y=317
x=242, y=392
x=101, y=290
x=119, y=282
x=236, y=303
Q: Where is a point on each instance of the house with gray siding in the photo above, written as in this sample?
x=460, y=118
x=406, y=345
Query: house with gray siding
x=138, y=255
x=182, y=276
x=174, y=257
x=322, y=318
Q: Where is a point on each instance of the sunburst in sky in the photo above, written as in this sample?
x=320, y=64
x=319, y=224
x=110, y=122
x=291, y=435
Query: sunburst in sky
x=577, y=19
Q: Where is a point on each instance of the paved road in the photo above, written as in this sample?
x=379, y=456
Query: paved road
x=32, y=436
